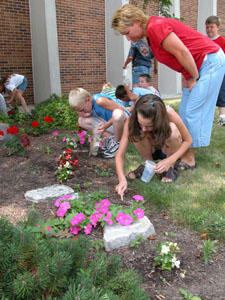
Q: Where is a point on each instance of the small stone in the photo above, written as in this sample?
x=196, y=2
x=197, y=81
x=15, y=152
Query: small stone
x=52, y=192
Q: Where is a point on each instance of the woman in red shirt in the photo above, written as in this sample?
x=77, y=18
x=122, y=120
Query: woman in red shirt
x=183, y=49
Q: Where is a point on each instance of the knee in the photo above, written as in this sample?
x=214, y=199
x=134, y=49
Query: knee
x=118, y=115
x=175, y=133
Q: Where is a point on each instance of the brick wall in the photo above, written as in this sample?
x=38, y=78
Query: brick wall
x=81, y=35
x=15, y=41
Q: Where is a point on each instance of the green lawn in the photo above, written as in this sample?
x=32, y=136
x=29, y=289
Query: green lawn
x=197, y=197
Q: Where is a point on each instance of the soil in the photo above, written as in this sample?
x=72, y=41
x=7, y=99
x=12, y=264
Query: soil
x=21, y=174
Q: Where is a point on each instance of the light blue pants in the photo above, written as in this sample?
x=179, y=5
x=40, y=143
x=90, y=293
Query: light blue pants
x=197, y=107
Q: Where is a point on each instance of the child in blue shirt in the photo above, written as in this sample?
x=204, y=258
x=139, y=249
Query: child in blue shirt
x=103, y=112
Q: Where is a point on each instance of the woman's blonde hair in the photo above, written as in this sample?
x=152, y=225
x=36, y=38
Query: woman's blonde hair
x=78, y=97
x=125, y=17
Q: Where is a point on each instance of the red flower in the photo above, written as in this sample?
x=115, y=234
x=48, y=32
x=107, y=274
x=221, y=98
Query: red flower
x=75, y=163
x=10, y=112
x=25, y=140
x=13, y=130
x=35, y=124
x=1, y=133
x=48, y=119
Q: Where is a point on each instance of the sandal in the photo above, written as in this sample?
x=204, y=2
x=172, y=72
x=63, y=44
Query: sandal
x=183, y=166
x=171, y=174
x=137, y=173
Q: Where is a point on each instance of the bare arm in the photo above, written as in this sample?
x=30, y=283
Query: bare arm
x=119, y=160
x=174, y=46
x=109, y=105
x=12, y=96
x=127, y=61
x=131, y=96
x=186, y=141
x=155, y=65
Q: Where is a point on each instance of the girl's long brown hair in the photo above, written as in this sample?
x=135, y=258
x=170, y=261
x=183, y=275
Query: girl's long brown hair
x=3, y=81
x=150, y=107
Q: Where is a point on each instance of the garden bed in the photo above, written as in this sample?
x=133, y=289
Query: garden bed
x=37, y=170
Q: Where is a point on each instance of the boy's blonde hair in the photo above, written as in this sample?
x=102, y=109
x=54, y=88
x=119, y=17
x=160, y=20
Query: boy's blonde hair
x=125, y=17
x=213, y=19
x=78, y=97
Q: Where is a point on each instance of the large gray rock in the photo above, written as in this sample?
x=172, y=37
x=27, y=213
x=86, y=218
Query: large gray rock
x=6, y=136
x=52, y=192
x=117, y=236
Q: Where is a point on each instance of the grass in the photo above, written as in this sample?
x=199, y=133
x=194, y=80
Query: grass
x=196, y=199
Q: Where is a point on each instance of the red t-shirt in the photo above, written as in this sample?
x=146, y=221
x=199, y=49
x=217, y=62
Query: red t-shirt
x=221, y=42
x=198, y=44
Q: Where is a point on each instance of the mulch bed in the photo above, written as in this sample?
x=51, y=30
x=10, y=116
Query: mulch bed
x=21, y=174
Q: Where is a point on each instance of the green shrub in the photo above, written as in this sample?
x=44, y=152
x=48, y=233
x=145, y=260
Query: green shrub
x=58, y=108
x=49, y=268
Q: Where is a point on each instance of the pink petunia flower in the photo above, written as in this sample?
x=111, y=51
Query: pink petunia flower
x=82, y=141
x=88, y=229
x=120, y=217
x=139, y=213
x=89, y=139
x=77, y=219
x=65, y=205
x=105, y=202
x=57, y=202
x=61, y=212
x=75, y=229
x=104, y=209
x=67, y=197
x=107, y=218
x=64, y=139
x=138, y=198
x=127, y=220
x=55, y=133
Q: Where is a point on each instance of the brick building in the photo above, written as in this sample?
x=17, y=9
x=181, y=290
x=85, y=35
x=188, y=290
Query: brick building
x=74, y=48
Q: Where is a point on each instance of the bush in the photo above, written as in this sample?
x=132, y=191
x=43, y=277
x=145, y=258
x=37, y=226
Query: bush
x=50, y=268
x=58, y=108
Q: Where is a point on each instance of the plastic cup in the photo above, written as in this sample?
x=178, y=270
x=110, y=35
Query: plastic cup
x=148, y=171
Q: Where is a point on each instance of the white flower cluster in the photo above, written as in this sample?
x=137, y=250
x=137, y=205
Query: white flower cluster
x=168, y=249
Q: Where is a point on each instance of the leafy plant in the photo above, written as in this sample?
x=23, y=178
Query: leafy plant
x=48, y=150
x=87, y=211
x=77, y=187
x=67, y=164
x=167, y=256
x=17, y=143
x=208, y=249
x=88, y=184
x=58, y=108
x=188, y=296
x=102, y=171
x=136, y=243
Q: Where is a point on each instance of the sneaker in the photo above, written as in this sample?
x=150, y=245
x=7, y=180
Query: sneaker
x=107, y=143
x=111, y=152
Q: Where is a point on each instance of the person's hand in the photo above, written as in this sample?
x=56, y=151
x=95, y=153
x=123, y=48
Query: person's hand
x=121, y=187
x=163, y=165
x=124, y=66
x=190, y=83
x=8, y=101
x=126, y=87
x=101, y=128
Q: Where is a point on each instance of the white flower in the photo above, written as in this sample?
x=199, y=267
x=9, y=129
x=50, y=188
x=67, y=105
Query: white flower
x=177, y=264
x=67, y=164
x=165, y=250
